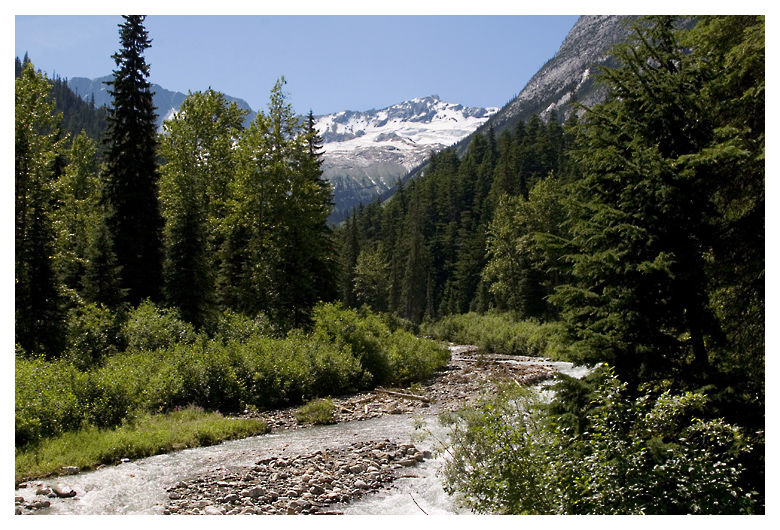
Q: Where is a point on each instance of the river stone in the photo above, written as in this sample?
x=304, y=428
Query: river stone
x=361, y=484
x=63, y=491
x=254, y=493
x=212, y=510
x=230, y=497
x=70, y=470
x=43, y=491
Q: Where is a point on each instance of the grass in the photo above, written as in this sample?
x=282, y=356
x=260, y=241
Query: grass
x=319, y=412
x=148, y=435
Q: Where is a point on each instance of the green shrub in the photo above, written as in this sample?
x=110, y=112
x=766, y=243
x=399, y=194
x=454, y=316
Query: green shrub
x=645, y=455
x=275, y=371
x=236, y=327
x=335, y=370
x=499, y=333
x=94, y=332
x=46, y=401
x=387, y=357
x=149, y=327
x=319, y=412
x=412, y=359
x=364, y=334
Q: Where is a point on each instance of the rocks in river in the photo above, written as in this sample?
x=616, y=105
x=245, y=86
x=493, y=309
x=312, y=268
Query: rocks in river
x=26, y=505
x=309, y=484
x=63, y=491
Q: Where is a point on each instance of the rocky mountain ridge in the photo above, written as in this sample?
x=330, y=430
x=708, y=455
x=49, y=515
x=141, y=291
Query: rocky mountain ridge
x=568, y=76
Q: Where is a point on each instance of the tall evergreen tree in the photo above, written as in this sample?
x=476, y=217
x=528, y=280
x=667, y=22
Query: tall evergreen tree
x=37, y=298
x=131, y=193
x=649, y=212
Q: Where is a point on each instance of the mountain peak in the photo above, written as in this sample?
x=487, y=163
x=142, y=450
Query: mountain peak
x=366, y=153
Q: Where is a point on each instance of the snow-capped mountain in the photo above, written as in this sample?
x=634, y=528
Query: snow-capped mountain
x=366, y=153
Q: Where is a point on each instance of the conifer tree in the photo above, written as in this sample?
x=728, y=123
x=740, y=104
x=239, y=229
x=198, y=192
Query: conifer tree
x=648, y=216
x=37, y=145
x=131, y=191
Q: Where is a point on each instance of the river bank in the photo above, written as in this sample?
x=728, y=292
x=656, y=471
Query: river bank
x=321, y=480
x=468, y=374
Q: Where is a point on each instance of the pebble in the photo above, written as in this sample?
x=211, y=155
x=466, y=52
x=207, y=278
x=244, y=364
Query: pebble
x=309, y=484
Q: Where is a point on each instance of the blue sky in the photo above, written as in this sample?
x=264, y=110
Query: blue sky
x=331, y=63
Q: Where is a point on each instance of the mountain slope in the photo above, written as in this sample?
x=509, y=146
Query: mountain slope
x=166, y=101
x=569, y=73
x=366, y=153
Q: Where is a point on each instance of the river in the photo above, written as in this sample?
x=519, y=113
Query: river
x=139, y=487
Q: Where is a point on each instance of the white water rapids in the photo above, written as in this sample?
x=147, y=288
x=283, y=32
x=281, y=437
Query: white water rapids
x=139, y=487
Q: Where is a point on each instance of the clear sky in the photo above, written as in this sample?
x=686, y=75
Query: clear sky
x=331, y=63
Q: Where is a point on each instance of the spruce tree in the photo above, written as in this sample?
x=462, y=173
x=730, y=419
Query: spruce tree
x=134, y=218
x=37, y=145
x=658, y=161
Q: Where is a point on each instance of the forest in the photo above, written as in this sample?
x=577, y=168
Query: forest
x=194, y=266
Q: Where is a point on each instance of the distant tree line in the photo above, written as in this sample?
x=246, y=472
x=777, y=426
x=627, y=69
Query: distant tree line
x=422, y=253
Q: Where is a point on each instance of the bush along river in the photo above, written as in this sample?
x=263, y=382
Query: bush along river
x=372, y=461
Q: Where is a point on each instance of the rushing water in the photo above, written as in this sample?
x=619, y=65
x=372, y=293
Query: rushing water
x=139, y=487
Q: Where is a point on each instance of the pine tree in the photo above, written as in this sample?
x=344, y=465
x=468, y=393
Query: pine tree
x=350, y=250
x=101, y=281
x=134, y=218
x=39, y=316
x=648, y=221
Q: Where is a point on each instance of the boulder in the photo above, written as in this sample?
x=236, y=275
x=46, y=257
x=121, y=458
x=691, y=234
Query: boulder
x=63, y=491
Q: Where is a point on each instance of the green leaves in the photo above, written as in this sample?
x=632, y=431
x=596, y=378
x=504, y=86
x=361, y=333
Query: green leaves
x=649, y=455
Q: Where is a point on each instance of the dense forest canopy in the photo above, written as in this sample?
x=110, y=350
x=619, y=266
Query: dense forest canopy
x=637, y=229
